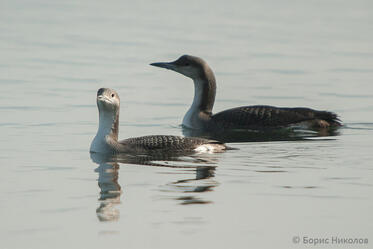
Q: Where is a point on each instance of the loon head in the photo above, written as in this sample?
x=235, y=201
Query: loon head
x=108, y=104
x=190, y=66
x=107, y=101
x=204, y=88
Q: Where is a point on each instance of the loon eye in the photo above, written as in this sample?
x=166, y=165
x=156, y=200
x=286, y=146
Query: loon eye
x=112, y=95
x=186, y=63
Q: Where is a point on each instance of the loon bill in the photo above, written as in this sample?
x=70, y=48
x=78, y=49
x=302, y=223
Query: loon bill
x=199, y=115
x=106, y=139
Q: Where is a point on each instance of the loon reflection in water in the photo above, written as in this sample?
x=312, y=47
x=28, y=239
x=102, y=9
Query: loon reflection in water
x=200, y=116
x=267, y=135
x=110, y=191
x=205, y=173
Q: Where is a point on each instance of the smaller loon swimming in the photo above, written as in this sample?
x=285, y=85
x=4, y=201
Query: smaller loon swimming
x=106, y=139
x=257, y=117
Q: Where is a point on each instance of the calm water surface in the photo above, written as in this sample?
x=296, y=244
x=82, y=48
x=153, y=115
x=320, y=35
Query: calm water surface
x=56, y=54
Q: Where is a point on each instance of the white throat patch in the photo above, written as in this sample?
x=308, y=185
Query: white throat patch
x=191, y=118
x=99, y=143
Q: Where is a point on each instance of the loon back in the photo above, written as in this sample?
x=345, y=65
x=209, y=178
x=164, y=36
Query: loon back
x=171, y=144
x=261, y=116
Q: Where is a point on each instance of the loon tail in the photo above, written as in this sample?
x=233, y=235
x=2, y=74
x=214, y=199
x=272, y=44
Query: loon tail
x=330, y=117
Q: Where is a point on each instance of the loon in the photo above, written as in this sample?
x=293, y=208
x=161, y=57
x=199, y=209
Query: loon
x=257, y=117
x=106, y=139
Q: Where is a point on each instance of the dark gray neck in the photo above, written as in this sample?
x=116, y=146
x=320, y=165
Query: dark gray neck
x=205, y=91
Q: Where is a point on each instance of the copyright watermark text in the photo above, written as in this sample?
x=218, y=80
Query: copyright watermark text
x=333, y=240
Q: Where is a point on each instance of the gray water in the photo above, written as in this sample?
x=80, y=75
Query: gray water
x=56, y=54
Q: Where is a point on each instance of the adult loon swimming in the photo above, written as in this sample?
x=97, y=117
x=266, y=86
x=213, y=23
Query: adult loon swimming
x=199, y=115
x=106, y=139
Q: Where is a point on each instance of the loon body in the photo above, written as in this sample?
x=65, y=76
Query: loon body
x=200, y=116
x=106, y=139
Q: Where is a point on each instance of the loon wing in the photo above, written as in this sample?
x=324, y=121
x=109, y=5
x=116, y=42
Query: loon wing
x=261, y=116
x=168, y=143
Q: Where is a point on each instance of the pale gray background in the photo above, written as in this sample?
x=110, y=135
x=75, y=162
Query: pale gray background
x=56, y=54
